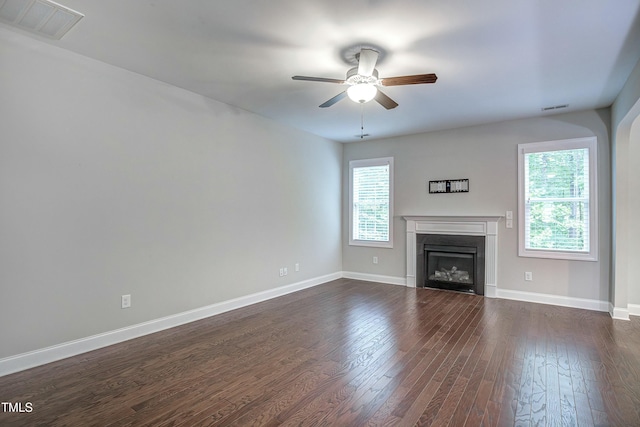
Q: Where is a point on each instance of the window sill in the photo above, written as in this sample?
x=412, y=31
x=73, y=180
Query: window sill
x=570, y=256
x=371, y=244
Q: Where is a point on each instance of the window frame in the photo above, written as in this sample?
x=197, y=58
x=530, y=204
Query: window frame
x=354, y=164
x=589, y=143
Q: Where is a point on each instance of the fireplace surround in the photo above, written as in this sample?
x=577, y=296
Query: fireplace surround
x=486, y=226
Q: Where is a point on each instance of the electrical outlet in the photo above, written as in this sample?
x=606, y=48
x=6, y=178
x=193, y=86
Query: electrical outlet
x=281, y=272
x=126, y=301
x=375, y=259
x=528, y=276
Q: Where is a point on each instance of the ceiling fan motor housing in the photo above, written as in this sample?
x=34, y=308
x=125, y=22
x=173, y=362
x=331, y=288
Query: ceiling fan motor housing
x=354, y=78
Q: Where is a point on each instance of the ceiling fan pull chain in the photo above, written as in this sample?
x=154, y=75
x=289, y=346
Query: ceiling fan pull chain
x=362, y=121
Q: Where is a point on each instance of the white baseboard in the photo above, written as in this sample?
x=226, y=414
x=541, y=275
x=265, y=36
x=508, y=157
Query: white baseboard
x=634, y=309
x=43, y=356
x=618, y=313
x=390, y=280
x=491, y=291
x=587, y=304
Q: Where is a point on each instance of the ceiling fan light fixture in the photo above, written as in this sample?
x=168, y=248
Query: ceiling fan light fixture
x=362, y=92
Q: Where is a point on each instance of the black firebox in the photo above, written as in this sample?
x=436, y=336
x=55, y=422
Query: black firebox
x=452, y=262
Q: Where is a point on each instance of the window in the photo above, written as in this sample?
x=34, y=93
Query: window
x=557, y=191
x=371, y=202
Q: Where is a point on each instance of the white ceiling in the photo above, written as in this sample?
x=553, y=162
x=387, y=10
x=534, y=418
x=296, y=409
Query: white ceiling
x=495, y=59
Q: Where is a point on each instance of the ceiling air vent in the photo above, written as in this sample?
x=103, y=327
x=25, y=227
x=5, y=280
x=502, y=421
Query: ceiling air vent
x=42, y=17
x=555, y=107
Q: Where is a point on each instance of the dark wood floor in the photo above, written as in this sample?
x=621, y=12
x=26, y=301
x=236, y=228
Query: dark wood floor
x=352, y=353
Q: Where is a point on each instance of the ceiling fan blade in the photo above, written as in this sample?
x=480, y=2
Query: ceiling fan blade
x=333, y=100
x=367, y=61
x=317, y=79
x=409, y=80
x=385, y=101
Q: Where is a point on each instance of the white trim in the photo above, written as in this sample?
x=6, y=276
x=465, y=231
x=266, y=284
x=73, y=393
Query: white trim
x=390, y=280
x=491, y=291
x=618, y=313
x=589, y=143
x=587, y=304
x=634, y=309
x=460, y=225
x=369, y=163
x=20, y=362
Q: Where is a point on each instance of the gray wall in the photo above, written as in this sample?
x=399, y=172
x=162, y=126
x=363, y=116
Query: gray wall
x=487, y=155
x=112, y=183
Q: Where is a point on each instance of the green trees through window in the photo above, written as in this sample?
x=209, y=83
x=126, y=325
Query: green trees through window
x=557, y=200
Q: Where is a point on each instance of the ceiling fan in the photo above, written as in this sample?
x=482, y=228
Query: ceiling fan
x=364, y=83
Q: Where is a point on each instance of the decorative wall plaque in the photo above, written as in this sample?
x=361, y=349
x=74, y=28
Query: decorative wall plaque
x=449, y=186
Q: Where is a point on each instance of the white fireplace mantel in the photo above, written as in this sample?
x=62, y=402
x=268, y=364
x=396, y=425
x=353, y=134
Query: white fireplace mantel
x=460, y=225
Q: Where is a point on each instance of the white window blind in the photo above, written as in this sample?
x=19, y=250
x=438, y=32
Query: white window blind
x=371, y=202
x=557, y=191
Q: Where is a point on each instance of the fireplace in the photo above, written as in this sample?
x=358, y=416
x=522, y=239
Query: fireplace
x=485, y=227
x=450, y=262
